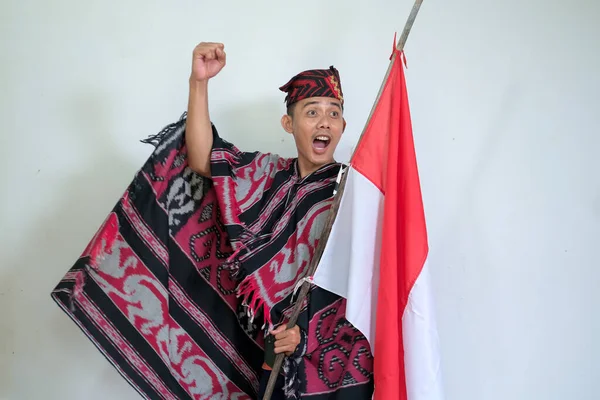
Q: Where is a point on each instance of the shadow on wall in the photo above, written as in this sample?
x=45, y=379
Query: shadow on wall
x=42, y=344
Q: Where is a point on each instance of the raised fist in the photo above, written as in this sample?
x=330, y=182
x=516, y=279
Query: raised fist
x=208, y=59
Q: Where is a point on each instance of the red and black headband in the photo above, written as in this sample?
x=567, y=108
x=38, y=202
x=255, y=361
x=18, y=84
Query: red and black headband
x=313, y=83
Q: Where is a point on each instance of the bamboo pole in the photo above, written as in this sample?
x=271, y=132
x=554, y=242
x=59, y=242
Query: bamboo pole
x=334, y=209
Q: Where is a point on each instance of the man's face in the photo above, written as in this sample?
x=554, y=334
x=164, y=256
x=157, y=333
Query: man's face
x=317, y=124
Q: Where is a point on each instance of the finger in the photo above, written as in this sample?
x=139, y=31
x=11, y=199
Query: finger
x=201, y=53
x=278, y=330
x=208, y=52
x=290, y=339
x=283, y=342
x=221, y=56
x=211, y=54
x=286, y=334
x=209, y=45
x=284, y=349
x=212, y=44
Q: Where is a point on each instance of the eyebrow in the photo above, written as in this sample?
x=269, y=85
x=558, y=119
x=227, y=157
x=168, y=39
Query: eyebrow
x=318, y=102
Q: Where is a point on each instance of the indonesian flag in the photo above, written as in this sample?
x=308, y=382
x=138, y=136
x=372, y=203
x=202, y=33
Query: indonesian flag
x=376, y=254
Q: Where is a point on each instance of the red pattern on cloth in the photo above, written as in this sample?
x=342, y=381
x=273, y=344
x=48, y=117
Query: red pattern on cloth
x=154, y=290
x=314, y=83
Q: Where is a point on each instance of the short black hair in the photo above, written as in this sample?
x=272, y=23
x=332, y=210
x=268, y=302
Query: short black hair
x=290, y=109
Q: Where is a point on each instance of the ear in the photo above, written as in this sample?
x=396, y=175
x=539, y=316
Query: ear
x=344, y=128
x=287, y=123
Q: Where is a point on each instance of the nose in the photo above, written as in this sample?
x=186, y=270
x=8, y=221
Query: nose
x=324, y=123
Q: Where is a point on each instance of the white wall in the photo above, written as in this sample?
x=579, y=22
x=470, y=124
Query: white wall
x=504, y=97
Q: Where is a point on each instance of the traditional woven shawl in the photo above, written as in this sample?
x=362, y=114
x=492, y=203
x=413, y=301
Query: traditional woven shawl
x=176, y=284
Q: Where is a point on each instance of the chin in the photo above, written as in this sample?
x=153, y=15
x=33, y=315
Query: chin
x=321, y=159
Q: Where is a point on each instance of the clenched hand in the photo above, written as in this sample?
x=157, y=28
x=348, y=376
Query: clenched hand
x=286, y=340
x=208, y=59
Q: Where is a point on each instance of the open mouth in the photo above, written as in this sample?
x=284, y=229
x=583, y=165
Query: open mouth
x=320, y=143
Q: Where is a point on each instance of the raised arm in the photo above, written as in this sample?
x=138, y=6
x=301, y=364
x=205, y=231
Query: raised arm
x=208, y=60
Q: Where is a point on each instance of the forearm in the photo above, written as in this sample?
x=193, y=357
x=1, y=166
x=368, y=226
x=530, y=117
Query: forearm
x=198, y=133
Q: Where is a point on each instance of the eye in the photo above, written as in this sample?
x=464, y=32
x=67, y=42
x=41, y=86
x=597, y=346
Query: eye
x=335, y=114
x=311, y=113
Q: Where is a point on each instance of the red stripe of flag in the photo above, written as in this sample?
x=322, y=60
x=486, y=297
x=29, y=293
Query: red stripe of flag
x=387, y=158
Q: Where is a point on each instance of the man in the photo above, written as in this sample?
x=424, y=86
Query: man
x=315, y=118
x=189, y=283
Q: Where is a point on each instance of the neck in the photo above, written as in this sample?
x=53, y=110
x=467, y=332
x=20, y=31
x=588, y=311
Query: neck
x=306, y=168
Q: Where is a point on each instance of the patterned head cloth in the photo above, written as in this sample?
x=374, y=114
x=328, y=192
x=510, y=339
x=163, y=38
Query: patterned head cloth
x=313, y=83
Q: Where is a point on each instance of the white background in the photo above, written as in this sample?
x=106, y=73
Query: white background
x=505, y=102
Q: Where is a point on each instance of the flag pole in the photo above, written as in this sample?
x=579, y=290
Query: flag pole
x=334, y=209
